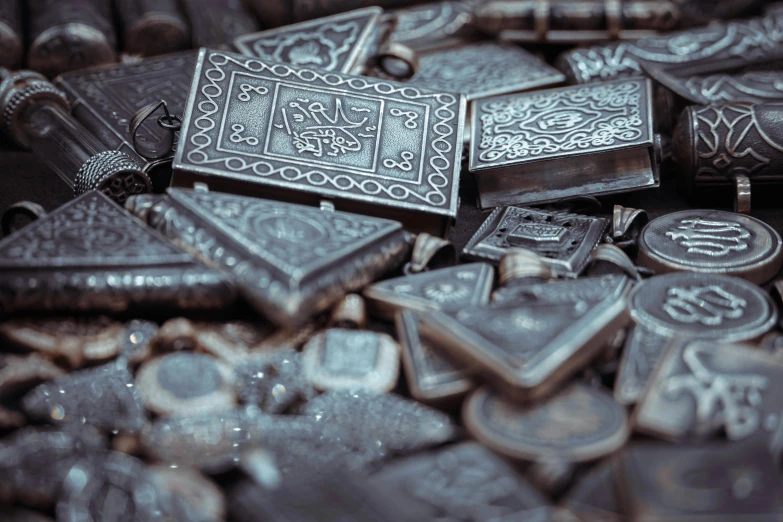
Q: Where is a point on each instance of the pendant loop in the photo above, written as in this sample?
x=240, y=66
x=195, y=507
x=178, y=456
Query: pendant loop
x=172, y=124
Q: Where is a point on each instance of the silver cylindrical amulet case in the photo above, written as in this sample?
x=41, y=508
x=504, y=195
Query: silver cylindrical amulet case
x=36, y=116
x=70, y=34
x=216, y=24
x=152, y=27
x=11, y=48
x=715, y=48
x=737, y=144
x=564, y=21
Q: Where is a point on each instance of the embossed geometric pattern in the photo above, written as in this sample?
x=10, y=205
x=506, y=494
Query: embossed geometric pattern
x=294, y=239
x=330, y=44
x=327, y=133
x=90, y=231
x=522, y=128
x=484, y=69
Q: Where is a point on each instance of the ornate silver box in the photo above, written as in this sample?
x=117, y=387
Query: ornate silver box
x=372, y=146
x=578, y=140
x=334, y=43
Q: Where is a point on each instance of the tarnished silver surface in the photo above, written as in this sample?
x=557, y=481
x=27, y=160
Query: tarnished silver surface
x=186, y=384
x=117, y=487
x=267, y=246
x=301, y=131
x=687, y=304
x=104, y=397
x=432, y=25
x=69, y=34
x=576, y=425
x=91, y=255
x=444, y=289
x=594, y=497
x=334, y=43
x=714, y=48
x=105, y=99
x=73, y=340
x=463, y=482
x=564, y=240
x=755, y=86
x=572, y=141
x=217, y=24
x=34, y=460
x=711, y=241
x=484, y=69
x=721, y=307
x=715, y=482
x=702, y=388
x=432, y=376
x=151, y=27
x=11, y=45
x=588, y=290
x=340, y=359
x=560, y=337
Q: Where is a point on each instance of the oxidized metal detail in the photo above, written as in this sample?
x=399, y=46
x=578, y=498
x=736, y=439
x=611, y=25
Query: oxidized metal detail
x=714, y=482
x=463, y=482
x=571, y=120
x=578, y=424
x=435, y=24
x=290, y=261
x=714, y=143
x=334, y=43
x=703, y=50
x=91, y=255
x=484, y=69
x=113, y=173
x=703, y=388
x=643, y=349
x=754, y=86
x=444, y=289
x=356, y=138
x=564, y=240
x=716, y=306
x=340, y=359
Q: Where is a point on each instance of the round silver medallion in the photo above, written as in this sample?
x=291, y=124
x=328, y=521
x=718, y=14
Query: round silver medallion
x=707, y=305
x=711, y=241
x=576, y=425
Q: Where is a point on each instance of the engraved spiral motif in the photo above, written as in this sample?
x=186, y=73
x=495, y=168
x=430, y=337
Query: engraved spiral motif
x=113, y=173
x=441, y=166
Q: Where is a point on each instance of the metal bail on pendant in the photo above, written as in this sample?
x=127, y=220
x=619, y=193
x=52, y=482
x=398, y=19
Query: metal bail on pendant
x=143, y=147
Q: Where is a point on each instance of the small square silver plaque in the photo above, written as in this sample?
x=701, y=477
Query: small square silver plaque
x=577, y=140
x=374, y=146
x=333, y=43
x=484, y=69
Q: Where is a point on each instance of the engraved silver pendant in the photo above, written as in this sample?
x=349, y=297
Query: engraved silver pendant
x=578, y=424
x=341, y=359
x=687, y=304
x=572, y=141
x=304, y=134
x=711, y=241
x=186, y=384
x=559, y=338
x=463, y=482
x=441, y=289
x=564, y=240
x=433, y=25
x=484, y=69
x=105, y=100
x=753, y=85
x=337, y=43
x=715, y=482
x=90, y=255
x=701, y=388
x=290, y=261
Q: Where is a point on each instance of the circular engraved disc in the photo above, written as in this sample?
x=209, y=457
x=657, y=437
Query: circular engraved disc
x=186, y=383
x=578, y=424
x=707, y=305
x=711, y=241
